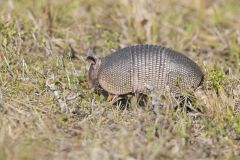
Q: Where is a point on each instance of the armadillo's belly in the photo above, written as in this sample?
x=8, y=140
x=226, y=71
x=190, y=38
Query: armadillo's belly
x=148, y=67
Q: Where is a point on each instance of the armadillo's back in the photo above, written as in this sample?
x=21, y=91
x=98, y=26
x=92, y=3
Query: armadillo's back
x=149, y=67
x=142, y=67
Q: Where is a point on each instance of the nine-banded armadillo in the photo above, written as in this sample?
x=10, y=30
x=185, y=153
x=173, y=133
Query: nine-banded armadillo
x=138, y=68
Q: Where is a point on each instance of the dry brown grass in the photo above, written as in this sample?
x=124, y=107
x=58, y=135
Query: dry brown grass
x=42, y=116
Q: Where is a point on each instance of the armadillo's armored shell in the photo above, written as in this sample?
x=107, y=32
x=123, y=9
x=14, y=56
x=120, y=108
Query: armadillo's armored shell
x=136, y=68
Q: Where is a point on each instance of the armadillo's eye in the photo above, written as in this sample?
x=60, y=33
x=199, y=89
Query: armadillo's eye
x=92, y=59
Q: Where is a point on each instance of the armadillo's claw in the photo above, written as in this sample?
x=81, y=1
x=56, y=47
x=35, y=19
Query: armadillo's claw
x=110, y=98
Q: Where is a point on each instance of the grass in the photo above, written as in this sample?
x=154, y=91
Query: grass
x=47, y=111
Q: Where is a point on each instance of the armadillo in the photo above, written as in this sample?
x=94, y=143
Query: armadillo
x=135, y=69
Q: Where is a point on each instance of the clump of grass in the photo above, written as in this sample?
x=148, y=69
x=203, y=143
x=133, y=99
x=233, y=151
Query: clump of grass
x=216, y=79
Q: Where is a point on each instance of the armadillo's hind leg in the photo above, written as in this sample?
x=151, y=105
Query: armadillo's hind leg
x=187, y=102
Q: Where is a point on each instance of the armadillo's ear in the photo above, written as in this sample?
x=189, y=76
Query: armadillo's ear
x=92, y=59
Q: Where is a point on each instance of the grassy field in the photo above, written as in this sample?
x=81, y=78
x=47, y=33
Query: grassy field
x=48, y=112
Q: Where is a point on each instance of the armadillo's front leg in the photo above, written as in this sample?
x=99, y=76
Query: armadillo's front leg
x=109, y=97
x=113, y=98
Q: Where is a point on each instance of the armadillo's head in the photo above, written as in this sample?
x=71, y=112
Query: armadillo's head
x=93, y=71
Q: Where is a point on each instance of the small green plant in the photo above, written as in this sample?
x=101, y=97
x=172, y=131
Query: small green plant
x=216, y=79
x=111, y=39
x=7, y=32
